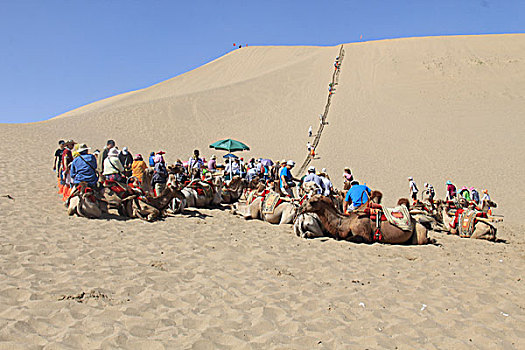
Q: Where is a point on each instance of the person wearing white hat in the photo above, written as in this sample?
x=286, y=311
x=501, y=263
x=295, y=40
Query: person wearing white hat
x=84, y=167
x=286, y=180
x=126, y=159
x=113, y=169
x=313, y=177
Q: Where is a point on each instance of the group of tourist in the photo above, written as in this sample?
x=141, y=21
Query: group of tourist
x=74, y=164
x=470, y=194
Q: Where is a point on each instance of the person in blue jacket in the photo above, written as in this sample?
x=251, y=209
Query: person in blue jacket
x=356, y=196
x=84, y=167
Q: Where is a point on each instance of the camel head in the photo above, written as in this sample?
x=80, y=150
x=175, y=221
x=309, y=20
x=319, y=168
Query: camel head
x=376, y=196
x=316, y=204
x=175, y=169
x=463, y=203
x=260, y=187
x=404, y=201
x=492, y=204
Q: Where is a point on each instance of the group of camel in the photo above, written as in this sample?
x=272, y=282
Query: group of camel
x=312, y=215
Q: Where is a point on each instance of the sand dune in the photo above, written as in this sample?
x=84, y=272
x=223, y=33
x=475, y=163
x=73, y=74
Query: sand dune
x=435, y=108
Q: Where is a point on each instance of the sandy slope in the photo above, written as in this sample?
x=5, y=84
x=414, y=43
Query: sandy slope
x=210, y=280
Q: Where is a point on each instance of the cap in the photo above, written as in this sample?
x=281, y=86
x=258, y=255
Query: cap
x=290, y=162
x=311, y=169
x=410, y=178
x=113, y=152
x=82, y=147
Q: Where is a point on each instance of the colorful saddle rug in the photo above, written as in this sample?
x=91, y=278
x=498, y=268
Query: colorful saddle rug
x=271, y=201
x=399, y=216
x=467, y=221
x=203, y=188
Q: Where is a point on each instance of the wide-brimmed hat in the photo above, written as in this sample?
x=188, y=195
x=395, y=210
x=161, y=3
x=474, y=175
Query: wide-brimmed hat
x=161, y=152
x=290, y=162
x=70, y=142
x=83, y=147
x=114, y=152
x=138, y=156
x=311, y=169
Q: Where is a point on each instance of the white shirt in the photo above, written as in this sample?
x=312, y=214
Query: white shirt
x=413, y=187
x=112, y=165
x=327, y=184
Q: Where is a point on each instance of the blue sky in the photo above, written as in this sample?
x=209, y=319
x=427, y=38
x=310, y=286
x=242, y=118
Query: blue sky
x=59, y=55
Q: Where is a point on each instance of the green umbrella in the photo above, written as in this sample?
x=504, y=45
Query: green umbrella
x=230, y=146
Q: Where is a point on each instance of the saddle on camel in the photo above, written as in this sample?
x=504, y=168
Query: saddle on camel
x=470, y=221
x=149, y=208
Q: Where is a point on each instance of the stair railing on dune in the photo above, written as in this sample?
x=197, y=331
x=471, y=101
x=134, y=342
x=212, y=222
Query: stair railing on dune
x=334, y=82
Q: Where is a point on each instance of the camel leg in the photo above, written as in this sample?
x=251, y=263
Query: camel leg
x=356, y=239
x=419, y=236
x=484, y=231
x=73, y=203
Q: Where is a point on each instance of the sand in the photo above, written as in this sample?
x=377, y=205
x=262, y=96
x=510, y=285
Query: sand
x=209, y=280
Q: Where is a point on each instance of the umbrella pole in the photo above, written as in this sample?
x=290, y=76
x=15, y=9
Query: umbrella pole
x=231, y=168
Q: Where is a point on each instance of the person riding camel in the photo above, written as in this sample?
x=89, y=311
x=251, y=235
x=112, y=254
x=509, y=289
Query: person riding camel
x=113, y=169
x=356, y=196
x=313, y=177
x=286, y=180
x=84, y=167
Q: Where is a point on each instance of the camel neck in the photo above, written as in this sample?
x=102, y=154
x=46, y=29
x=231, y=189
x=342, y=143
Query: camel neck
x=332, y=221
